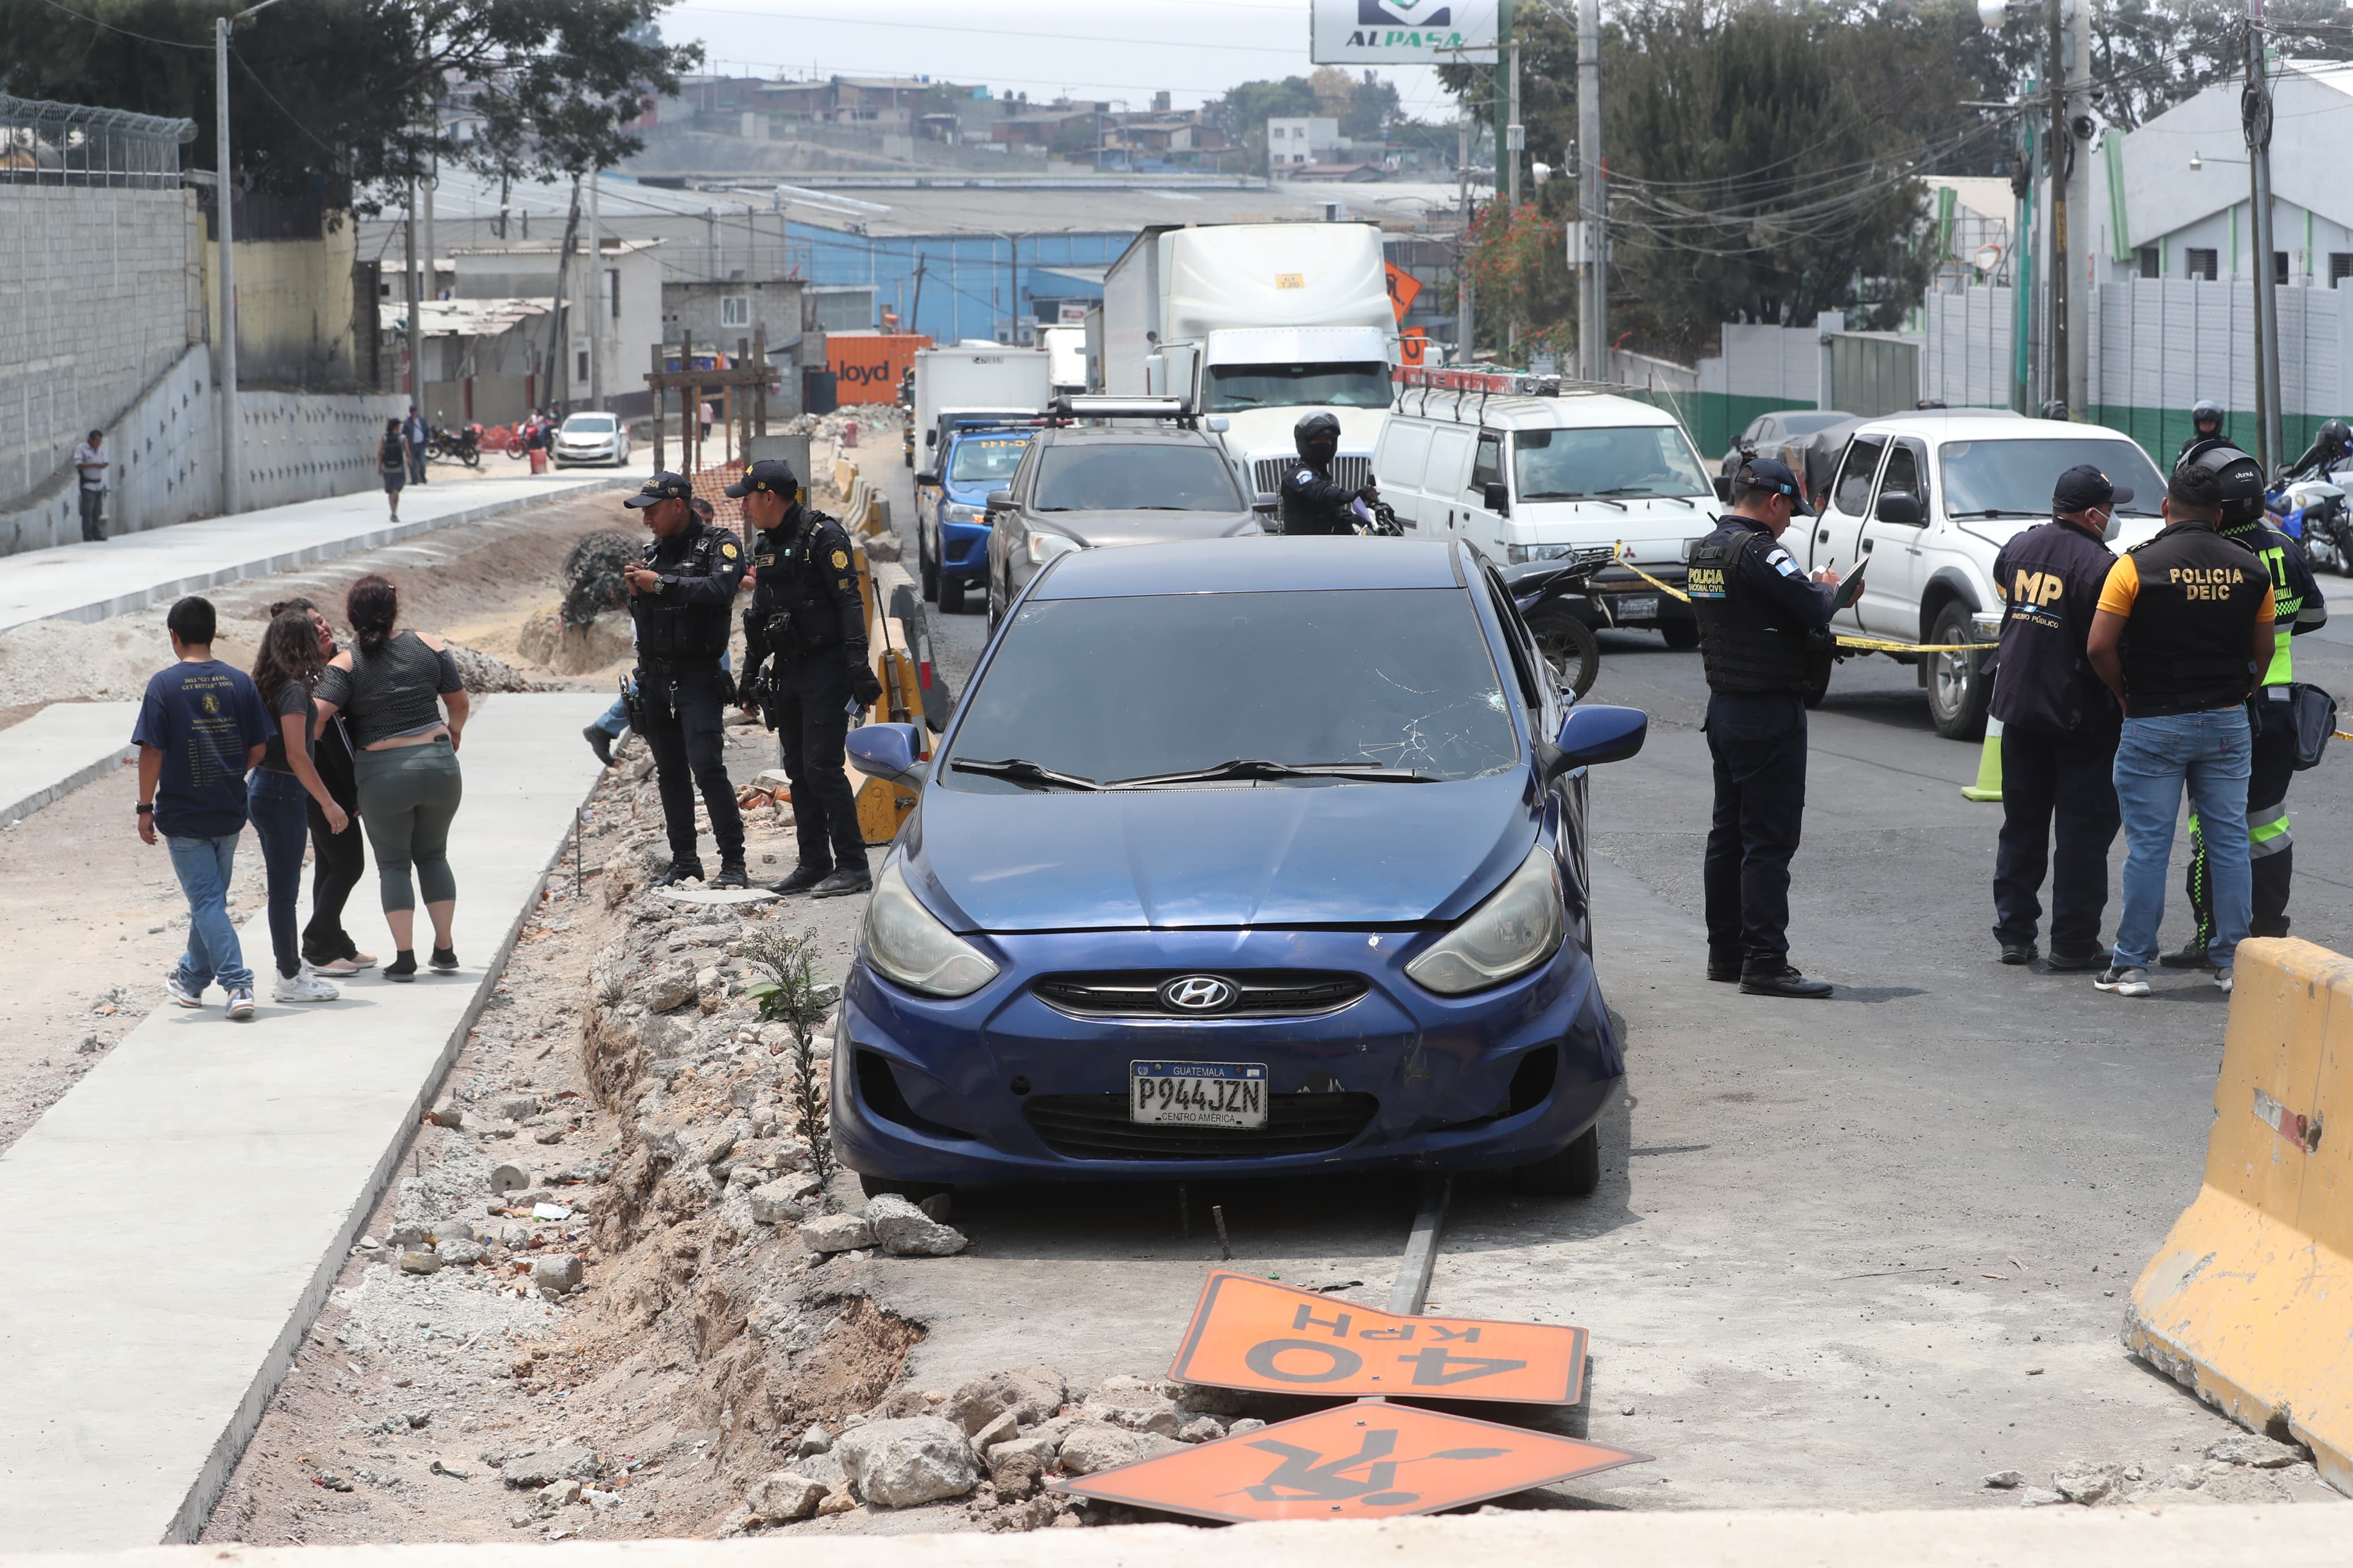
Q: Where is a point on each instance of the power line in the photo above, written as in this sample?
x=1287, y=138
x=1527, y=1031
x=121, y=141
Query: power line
x=142, y=37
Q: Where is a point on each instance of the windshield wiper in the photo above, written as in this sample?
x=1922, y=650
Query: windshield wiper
x=1022, y=771
x=1997, y=511
x=1251, y=768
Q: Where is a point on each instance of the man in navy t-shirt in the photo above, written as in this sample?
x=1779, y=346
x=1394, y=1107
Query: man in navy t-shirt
x=201, y=729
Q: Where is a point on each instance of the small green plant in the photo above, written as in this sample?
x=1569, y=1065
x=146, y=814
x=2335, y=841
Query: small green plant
x=789, y=994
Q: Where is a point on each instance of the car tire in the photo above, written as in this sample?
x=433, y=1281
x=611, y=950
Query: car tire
x=1958, y=687
x=1681, y=636
x=951, y=594
x=1568, y=645
x=924, y=567
x=1569, y=1173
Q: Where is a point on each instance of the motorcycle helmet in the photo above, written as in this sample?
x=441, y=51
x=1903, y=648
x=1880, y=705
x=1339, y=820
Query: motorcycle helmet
x=1317, y=436
x=2206, y=412
x=2217, y=473
x=2054, y=409
x=2335, y=436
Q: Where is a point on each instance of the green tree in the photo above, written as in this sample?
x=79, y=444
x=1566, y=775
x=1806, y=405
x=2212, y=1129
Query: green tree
x=348, y=96
x=1372, y=107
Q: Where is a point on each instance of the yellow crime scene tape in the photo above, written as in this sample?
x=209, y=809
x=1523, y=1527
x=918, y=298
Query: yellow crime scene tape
x=1860, y=645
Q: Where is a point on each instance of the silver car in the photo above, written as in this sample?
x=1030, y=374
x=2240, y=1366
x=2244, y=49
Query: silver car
x=1089, y=487
x=591, y=439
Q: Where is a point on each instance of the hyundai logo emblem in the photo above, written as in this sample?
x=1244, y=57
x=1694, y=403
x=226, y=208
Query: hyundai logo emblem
x=1197, y=994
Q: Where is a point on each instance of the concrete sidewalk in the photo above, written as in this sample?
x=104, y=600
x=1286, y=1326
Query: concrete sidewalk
x=56, y=751
x=172, y=1224
x=2001, y=1536
x=91, y=581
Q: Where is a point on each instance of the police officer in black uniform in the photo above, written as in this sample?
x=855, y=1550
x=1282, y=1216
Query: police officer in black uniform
x=2205, y=425
x=2331, y=444
x=682, y=598
x=1761, y=629
x=809, y=619
x=1312, y=503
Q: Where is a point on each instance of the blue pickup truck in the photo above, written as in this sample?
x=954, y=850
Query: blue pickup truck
x=952, y=534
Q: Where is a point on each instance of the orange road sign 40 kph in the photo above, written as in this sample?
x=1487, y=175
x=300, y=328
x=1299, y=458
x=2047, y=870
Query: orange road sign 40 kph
x=1366, y=1460
x=1251, y=1333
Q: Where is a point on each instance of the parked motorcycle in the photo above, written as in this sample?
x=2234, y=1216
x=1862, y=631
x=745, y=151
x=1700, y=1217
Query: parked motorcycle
x=1542, y=589
x=458, y=444
x=2314, y=509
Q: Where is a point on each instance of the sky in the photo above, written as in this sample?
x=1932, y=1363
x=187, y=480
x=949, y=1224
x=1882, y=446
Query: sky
x=1193, y=49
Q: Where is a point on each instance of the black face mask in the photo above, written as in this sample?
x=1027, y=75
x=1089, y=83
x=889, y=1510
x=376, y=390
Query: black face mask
x=1322, y=452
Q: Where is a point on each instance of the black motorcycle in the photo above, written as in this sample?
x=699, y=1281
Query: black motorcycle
x=1542, y=589
x=458, y=444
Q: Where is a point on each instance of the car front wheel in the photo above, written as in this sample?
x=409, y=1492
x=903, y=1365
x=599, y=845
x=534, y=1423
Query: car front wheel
x=1958, y=687
x=1568, y=645
x=1569, y=1173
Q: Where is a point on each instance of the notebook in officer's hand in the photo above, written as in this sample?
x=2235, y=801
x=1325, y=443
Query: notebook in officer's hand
x=1849, y=589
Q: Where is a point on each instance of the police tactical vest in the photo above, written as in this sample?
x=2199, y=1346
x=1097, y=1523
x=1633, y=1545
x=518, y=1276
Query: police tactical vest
x=802, y=618
x=668, y=628
x=2193, y=621
x=1740, y=647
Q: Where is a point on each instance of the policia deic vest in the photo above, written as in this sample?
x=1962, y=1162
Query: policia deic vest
x=1740, y=646
x=2186, y=644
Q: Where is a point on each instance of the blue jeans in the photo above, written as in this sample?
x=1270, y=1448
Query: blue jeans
x=279, y=807
x=203, y=865
x=615, y=719
x=2211, y=753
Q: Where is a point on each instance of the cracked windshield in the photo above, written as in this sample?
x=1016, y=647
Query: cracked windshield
x=1605, y=464
x=1277, y=677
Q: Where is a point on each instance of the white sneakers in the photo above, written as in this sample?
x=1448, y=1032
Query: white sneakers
x=2223, y=979
x=180, y=994
x=2123, y=981
x=240, y=1004
x=302, y=986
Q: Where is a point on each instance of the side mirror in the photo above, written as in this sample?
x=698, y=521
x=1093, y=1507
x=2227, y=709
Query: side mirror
x=1000, y=500
x=931, y=438
x=1900, y=506
x=927, y=478
x=1588, y=736
x=1216, y=423
x=1496, y=496
x=887, y=752
x=1724, y=488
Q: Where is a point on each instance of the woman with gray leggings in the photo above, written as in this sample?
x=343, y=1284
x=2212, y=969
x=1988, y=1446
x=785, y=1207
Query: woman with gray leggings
x=391, y=687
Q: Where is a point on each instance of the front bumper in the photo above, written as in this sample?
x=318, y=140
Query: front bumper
x=1622, y=599
x=1002, y=1086
x=963, y=549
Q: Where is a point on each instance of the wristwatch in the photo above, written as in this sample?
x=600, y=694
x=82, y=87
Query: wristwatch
x=146, y=811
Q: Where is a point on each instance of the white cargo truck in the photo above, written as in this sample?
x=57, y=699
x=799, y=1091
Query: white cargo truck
x=969, y=380
x=1261, y=323
x=1066, y=353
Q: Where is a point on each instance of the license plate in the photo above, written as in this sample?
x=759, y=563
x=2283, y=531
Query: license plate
x=1197, y=1094
x=1638, y=607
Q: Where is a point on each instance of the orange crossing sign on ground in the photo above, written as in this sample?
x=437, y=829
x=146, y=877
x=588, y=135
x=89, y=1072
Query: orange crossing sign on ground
x=1249, y=1332
x=1370, y=1460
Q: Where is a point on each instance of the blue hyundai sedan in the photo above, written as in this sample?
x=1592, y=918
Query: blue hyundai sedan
x=1244, y=858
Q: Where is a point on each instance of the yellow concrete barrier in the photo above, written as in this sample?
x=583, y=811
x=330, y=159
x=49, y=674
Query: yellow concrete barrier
x=2250, y=1300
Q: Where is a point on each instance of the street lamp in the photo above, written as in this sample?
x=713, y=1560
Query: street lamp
x=224, y=229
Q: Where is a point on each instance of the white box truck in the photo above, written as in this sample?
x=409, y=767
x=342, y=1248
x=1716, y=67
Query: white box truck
x=970, y=379
x=1261, y=323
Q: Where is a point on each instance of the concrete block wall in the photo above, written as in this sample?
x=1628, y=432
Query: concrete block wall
x=166, y=447
x=99, y=298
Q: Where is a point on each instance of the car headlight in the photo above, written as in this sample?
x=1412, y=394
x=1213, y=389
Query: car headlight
x=955, y=513
x=907, y=942
x=1517, y=554
x=1516, y=929
x=1044, y=547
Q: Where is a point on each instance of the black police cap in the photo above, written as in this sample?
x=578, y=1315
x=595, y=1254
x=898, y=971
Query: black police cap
x=1772, y=474
x=2084, y=487
x=662, y=488
x=770, y=475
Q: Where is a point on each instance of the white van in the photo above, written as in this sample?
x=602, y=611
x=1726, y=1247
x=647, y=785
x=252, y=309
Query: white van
x=1528, y=479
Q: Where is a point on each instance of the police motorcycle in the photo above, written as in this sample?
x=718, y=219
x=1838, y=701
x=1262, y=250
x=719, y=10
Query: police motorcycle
x=2313, y=510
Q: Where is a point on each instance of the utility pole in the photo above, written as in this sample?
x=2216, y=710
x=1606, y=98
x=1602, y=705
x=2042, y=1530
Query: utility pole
x=410, y=291
x=2255, y=115
x=1592, y=198
x=596, y=301
x=2062, y=145
x=232, y=454
x=1515, y=135
x=1462, y=321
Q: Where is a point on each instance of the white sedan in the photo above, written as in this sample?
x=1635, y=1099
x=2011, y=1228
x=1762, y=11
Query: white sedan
x=592, y=439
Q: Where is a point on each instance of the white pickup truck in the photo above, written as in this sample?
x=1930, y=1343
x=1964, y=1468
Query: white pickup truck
x=1925, y=500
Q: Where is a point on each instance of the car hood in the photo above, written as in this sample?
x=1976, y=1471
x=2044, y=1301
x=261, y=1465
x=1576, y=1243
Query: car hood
x=1655, y=529
x=1095, y=529
x=1345, y=855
